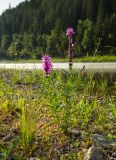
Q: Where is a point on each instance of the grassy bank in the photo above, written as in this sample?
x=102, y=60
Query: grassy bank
x=53, y=117
x=97, y=59
x=79, y=59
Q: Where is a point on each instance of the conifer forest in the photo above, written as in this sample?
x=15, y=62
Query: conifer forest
x=38, y=26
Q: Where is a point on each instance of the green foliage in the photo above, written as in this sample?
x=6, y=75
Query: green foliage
x=27, y=126
x=56, y=43
x=84, y=37
x=16, y=46
x=6, y=153
x=47, y=111
x=5, y=42
x=113, y=107
x=87, y=42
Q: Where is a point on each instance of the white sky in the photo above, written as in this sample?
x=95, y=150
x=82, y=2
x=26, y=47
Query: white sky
x=4, y=4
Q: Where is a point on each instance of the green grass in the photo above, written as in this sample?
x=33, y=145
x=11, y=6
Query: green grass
x=38, y=113
x=107, y=58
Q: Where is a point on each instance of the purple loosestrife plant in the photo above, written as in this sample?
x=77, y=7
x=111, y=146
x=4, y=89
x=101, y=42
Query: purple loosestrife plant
x=70, y=32
x=47, y=64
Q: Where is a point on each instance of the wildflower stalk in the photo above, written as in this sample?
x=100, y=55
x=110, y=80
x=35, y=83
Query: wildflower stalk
x=69, y=34
x=47, y=65
x=70, y=53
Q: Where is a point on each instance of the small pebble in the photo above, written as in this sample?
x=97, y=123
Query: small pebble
x=114, y=155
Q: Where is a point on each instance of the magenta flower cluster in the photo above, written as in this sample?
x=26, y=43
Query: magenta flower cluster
x=47, y=64
x=70, y=32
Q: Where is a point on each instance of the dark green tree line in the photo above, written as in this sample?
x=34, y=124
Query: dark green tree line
x=41, y=25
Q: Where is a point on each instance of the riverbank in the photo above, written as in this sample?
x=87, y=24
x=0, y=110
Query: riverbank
x=106, y=58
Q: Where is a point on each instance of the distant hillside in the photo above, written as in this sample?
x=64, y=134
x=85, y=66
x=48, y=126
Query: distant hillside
x=40, y=17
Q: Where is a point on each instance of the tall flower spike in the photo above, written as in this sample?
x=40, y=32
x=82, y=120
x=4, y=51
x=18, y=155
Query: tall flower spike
x=69, y=33
x=47, y=64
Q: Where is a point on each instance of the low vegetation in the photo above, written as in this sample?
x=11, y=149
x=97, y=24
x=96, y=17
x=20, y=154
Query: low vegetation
x=107, y=58
x=53, y=117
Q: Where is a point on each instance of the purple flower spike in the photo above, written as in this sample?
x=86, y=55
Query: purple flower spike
x=47, y=64
x=70, y=32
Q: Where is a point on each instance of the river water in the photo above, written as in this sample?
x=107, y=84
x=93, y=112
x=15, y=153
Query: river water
x=96, y=67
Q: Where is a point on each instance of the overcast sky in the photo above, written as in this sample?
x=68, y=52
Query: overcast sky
x=4, y=4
